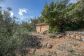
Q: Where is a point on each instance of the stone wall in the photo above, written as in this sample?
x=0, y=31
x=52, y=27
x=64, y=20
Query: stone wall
x=75, y=35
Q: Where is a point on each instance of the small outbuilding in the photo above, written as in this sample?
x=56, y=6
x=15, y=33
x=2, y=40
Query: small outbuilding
x=41, y=27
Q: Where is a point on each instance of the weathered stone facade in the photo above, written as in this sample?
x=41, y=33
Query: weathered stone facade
x=40, y=28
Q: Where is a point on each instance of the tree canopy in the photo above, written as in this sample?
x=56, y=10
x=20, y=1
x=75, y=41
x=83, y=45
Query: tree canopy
x=64, y=16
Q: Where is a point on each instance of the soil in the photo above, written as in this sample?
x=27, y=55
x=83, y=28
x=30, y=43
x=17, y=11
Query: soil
x=64, y=46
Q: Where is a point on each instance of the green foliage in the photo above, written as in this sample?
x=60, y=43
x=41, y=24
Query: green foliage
x=54, y=30
x=37, y=20
x=63, y=16
x=25, y=26
x=8, y=42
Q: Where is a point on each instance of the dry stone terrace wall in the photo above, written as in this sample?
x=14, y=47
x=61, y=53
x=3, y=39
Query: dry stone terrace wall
x=69, y=34
x=75, y=35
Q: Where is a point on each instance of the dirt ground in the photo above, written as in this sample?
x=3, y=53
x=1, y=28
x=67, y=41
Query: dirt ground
x=67, y=45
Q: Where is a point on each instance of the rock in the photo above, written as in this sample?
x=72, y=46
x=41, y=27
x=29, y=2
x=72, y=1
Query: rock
x=78, y=37
x=82, y=38
x=72, y=36
x=49, y=46
x=68, y=35
x=44, y=45
x=59, y=36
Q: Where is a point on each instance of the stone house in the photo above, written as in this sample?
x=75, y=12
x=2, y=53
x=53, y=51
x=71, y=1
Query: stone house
x=41, y=27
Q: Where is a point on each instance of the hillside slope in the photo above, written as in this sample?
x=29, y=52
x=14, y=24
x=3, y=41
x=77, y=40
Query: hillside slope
x=69, y=44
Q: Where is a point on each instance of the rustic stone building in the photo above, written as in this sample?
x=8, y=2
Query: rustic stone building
x=42, y=27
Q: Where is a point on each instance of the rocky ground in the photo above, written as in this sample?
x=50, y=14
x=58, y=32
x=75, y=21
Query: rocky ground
x=65, y=44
